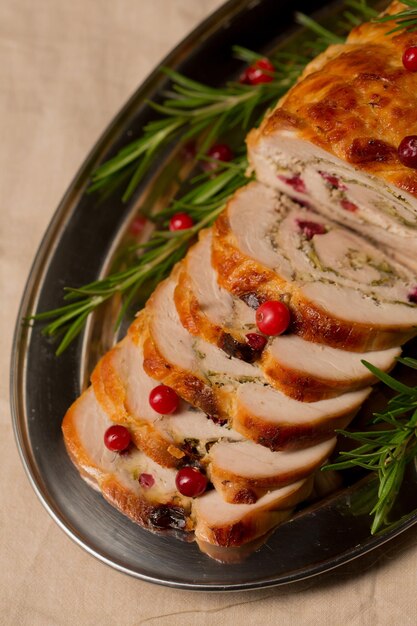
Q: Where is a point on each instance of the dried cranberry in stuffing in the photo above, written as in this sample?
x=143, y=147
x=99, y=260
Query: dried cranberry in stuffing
x=296, y=182
x=412, y=296
x=309, y=229
x=256, y=342
x=146, y=480
x=334, y=181
x=217, y=420
x=349, y=206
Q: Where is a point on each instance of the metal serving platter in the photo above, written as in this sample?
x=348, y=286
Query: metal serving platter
x=77, y=248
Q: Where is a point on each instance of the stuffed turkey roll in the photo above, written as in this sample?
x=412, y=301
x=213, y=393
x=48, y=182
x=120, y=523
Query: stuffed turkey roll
x=334, y=139
x=342, y=290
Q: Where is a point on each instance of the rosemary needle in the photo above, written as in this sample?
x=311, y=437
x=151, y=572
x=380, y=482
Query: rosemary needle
x=154, y=259
x=403, y=19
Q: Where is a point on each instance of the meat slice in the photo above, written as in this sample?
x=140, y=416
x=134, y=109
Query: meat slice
x=342, y=290
x=302, y=369
x=230, y=389
x=310, y=371
x=332, y=139
x=160, y=506
x=205, y=308
x=116, y=476
x=245, y=471
x=278, y=422
x=224, y=524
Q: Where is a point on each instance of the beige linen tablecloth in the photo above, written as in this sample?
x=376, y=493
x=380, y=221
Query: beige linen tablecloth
x=66, y=68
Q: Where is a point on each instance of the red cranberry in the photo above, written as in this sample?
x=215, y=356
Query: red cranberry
x=349, y=206
x=220, y=152
x=272, y=317
x=256, y=342
x=410, y=59
x=189, y=150
x=407, y=151
x=137, y=226
x=259, y=72
x=117, y=438
x=309, y=229
x=180, y=221
x=146, y=481
x=333, y=181
x=412, y=296
x=190, y=482
x=296, y=182
x=164, y=400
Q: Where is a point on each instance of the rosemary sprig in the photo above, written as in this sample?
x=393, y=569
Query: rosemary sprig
x=154, y=259
x=192, y=109
x=406, y=19
x=386, y=451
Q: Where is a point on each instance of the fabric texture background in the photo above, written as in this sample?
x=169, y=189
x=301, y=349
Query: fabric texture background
x=66, y=69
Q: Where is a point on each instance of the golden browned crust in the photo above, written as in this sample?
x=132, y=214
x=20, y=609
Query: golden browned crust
x=356, y=101
x=233, y=554
x=241, y=275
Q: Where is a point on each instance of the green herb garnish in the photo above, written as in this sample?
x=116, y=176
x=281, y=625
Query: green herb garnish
x=386, y=451
x=190, y=110
x=404, y=20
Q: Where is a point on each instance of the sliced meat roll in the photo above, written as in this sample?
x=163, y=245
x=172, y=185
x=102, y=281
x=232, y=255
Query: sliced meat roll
x=302, y=369
x=122, y=387
x=117, y=476
x=159, y=506
x=206, y=309
x=342, y=290
x=333, y=139
x=229, y=388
